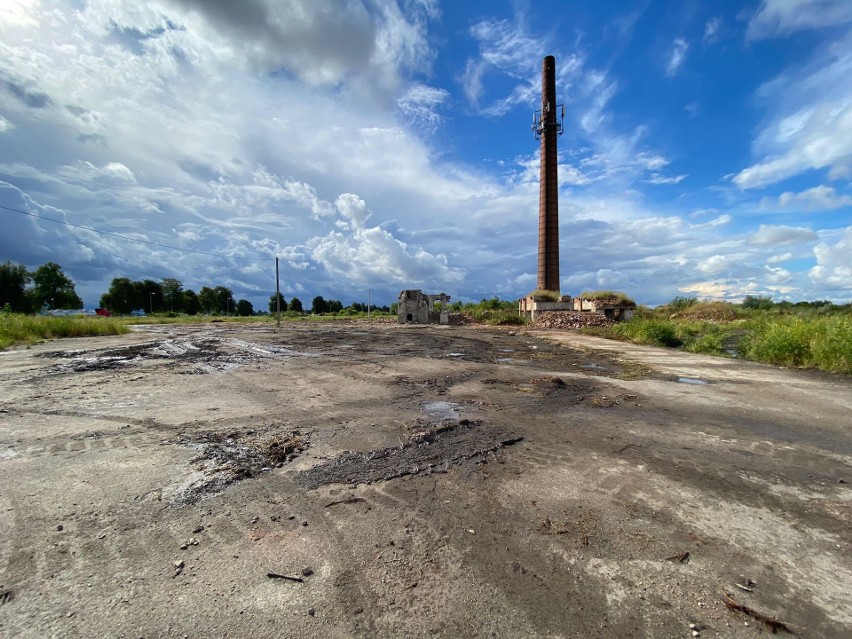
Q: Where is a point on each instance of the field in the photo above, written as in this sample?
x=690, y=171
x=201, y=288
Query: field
x=375, y=480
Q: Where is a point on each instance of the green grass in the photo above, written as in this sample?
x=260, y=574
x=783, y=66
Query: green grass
x=807, y=337
x=28, y=329
x=642, y=330
x=496, y=317
x=818, y=342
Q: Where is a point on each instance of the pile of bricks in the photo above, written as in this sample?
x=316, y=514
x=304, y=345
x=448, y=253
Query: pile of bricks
x=566, y=320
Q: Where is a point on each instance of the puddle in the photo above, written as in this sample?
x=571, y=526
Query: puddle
x=440, y=410
x=691, y=380
x=596, y=367
x=505, y=360
x=455, y=354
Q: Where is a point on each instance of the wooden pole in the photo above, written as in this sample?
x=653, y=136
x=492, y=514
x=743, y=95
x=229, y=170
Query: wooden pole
x=277, y=298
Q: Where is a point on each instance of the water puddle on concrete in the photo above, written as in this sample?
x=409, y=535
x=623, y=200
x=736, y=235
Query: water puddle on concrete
x=440, y=410
x=692, y=380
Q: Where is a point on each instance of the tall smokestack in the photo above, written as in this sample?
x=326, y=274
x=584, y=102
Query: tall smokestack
x=549, y=127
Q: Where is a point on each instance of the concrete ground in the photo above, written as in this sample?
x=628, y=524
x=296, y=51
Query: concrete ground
x=417, y=482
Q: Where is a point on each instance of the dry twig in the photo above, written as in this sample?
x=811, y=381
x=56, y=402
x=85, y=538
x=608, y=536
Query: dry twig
x=350, y=500
x=774, y=624
x=681, y=557
x=275, y=575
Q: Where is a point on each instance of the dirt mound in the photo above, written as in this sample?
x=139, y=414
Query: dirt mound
x=719, y=312
x=567, y=320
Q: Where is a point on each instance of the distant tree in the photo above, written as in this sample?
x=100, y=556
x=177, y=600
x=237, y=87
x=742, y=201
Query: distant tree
x=208, y=300
x=759, y=303
x=13, y=287
x=296, y=305
x=191, y=304
x=172, y=290
x=149, y=296
x=283, y=303
x=52, y=287
x=121, y=296
x=244, y=308
x=334, y=306
x=319, y=305
x=394, y=308
x=226, y=299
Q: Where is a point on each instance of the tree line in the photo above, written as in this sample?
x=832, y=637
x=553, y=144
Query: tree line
x=46, y=288
x=169, y=296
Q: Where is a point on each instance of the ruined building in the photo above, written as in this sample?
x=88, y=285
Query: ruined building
x=415, y=307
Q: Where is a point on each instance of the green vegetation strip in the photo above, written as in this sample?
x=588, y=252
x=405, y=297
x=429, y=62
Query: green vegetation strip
x=808, y=335
x=16, y=328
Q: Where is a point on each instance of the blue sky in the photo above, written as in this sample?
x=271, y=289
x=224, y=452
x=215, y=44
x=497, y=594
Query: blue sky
x=385, y=144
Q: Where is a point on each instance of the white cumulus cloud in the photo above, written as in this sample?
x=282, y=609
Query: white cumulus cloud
x=818, y=198
x=810, y=121
x=834, y=264
x=780, y=234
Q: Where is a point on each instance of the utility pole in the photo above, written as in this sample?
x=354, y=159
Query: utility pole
x=368, y=304
x=277, y=298
x=151, y=303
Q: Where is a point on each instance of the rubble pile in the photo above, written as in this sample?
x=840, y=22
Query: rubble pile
x=566, y=320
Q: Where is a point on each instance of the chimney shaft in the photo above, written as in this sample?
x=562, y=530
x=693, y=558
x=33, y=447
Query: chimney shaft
x=548, y=199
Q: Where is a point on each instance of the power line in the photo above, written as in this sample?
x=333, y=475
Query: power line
x=125, y=237
x=301, y=274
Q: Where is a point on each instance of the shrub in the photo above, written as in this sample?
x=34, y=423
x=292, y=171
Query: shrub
x=648, y=331
x=616, y=296
x=682, y=303
x=552, y=296
x=758, y=303
x=821, y=342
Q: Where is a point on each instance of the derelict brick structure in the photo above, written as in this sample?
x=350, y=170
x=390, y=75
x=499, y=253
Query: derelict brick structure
x=549, y=127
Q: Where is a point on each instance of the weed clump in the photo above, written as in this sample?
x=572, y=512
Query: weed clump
x=616, y=297
x=16, y=328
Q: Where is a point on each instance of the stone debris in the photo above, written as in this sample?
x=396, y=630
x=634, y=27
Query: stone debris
x=567, y=320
